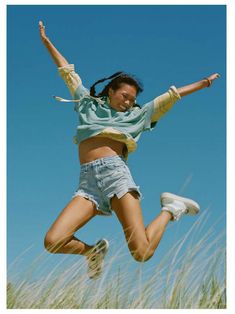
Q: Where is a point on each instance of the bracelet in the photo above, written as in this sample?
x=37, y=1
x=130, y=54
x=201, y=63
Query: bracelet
x=209, y=81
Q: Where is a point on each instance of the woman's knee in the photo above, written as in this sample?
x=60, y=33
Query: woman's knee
x=141, y=253
x=53, y=242
x=49, y=242
x=141, y=256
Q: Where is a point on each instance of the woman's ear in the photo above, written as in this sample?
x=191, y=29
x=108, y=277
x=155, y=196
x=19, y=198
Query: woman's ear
x=110, y=92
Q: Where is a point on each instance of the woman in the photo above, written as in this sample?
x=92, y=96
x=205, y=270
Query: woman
x=110, y=126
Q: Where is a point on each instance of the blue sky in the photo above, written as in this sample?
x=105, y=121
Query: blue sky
x=185, y=153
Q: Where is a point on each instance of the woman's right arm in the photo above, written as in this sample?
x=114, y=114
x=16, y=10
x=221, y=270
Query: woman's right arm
x=57, y=57
x=66, y=70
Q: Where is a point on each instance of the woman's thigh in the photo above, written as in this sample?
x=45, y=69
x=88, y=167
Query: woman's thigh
x=129, y=213
x=75, y=215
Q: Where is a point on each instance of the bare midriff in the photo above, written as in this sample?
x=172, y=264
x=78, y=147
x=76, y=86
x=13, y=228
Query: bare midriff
x=98, y=147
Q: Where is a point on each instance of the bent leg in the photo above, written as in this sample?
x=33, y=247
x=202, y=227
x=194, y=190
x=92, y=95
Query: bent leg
x=60, y=237
x=142, y=242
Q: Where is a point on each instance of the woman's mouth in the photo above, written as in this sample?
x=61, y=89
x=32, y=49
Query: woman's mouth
x=123, y=107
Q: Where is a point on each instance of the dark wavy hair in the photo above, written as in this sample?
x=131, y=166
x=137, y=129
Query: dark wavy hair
x=117, y=79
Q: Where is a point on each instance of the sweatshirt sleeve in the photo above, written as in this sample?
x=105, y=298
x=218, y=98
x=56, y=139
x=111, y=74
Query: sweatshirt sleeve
x=73, y=81
x=164, y=102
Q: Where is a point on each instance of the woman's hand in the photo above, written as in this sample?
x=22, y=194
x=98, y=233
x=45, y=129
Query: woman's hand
x=42, y=31
x=213, y=77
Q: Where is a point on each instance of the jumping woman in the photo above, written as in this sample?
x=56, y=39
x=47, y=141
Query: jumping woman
x=110, y=124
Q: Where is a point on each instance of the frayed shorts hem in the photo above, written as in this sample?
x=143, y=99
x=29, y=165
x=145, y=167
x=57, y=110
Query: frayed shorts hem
x=91, y=198
x=126, y=190
x=118, y=194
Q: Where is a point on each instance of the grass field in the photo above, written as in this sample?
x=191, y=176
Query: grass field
x=191, y=275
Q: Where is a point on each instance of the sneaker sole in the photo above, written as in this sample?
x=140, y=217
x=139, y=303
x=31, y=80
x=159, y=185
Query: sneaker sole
x=192, y=206
x=106, y=246
x=104, y=252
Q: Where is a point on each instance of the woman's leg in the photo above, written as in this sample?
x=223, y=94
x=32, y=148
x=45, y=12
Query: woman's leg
x=60, y=237
x=142, y=242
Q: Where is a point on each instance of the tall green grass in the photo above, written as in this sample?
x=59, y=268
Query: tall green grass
x=190, y=275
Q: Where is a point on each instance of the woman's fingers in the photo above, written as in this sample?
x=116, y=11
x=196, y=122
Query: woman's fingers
x=214, y=76
x=42, y=29
x=41, y=24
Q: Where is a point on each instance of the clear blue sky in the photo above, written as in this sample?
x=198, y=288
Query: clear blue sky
x=185, y=153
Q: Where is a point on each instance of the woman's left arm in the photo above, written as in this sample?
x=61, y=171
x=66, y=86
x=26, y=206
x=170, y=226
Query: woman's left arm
x=191, y=88
x=164, y=102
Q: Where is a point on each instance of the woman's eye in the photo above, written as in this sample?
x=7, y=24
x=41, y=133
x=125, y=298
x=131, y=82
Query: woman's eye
x=132, y=101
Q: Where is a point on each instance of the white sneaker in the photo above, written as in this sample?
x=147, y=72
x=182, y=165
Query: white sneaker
x=178, y=205
x=96, y=260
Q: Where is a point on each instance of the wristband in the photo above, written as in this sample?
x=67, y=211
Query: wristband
x=209, y=81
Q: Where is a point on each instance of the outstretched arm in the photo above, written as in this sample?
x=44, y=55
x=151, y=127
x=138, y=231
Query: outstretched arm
x=57, y=57
x=164, y=102
x=66, y=70
x=206, y=82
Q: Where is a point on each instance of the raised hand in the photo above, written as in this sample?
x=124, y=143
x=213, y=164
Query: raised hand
x=42, y=31
x=213, y=77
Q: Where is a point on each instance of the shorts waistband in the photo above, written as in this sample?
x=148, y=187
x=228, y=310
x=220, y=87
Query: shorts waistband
x=102, y=161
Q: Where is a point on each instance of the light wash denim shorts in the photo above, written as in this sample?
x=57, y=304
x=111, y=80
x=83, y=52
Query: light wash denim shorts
x=103, y=178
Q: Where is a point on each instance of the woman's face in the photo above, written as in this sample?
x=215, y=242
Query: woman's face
x=123, y=98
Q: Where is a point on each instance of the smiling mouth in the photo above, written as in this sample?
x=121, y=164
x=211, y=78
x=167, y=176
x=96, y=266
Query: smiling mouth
x=123, y=107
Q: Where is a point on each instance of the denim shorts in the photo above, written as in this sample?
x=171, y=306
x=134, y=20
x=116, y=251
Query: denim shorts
x=103, y=178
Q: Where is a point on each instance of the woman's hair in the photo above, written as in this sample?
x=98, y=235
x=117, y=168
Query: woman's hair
x=118, y=78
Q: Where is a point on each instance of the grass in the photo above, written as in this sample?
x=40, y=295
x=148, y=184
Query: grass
x=190, y=275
